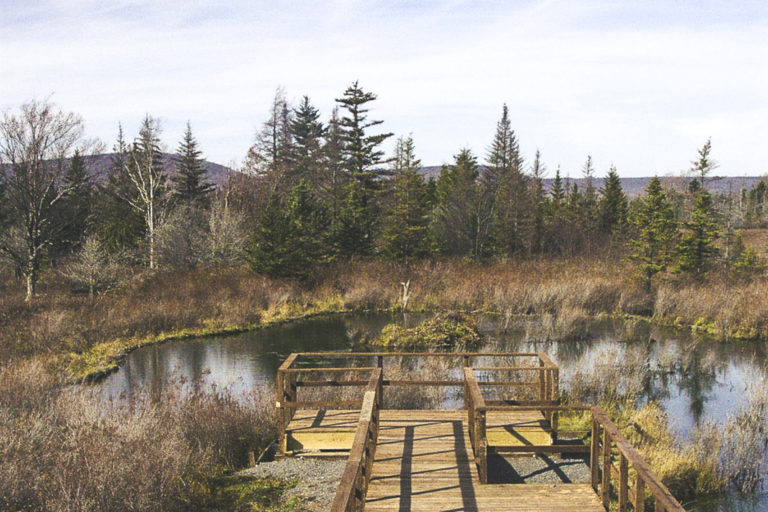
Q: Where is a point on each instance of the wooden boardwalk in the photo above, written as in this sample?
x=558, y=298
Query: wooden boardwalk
x=437, y=460
x=424, y=463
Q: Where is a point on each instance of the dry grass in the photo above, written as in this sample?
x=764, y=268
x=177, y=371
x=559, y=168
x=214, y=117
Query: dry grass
x=65, y=450
x=150, y=307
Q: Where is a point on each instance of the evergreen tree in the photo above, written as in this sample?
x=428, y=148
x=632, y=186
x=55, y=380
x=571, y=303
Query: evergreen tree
x=539, y=200
x=75, y=206
x=697, y=246
x=334, y=178
x=289, y=237
x=613, y=204
x=269, y=156
x=353, y=230
x=405, y=232
x=190, y=182
x=652, y=246
x=508, y=191
x=362, y=154
x=588, y=213
x=120, y=226
x=306, y=158
x=464, y=212
x=756, y=199
x=704, y=164
x=557, y=192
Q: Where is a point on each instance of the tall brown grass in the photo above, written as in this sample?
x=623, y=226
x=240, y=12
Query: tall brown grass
x=207, y=299
x=66, y=449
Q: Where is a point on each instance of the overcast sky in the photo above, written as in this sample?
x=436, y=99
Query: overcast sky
x=637, y=84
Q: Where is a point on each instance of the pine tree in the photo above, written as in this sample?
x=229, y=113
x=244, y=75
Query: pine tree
x=704, y=164
x=589, y=216
x=464, y=212
x=405, y=232
x=306, y=155
x=362, y=156
x=507, y=188
x=120, y=226
x=190, y=182
x=361, y=153
x=652, y=246
x=334, y=177
x=76, y=205
x=697, y=246
x=289, y=238
x=539, y=200
x=269, y=156
x=612, y=205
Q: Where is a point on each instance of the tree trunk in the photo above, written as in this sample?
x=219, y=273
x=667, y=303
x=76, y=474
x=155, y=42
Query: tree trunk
x=31, y=282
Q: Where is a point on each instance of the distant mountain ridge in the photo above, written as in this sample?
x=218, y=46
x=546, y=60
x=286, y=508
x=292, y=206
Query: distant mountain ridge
x=99, y=166
x=218, y=174
x=634, y=187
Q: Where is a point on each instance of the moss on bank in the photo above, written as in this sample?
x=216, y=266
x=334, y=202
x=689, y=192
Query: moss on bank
x=444, y=331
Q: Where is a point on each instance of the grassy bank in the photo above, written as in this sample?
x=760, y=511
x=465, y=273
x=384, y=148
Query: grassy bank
x=89, y=337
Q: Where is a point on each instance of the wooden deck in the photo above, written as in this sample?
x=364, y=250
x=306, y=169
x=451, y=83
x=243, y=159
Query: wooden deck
x=316, y=431
x=437, y=460
x=424, y=463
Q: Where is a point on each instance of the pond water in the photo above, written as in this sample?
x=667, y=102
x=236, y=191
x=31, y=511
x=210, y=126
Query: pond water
x=695, y=379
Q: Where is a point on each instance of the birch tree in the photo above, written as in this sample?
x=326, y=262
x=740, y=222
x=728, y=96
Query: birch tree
x=35, y=143
x=146, y=172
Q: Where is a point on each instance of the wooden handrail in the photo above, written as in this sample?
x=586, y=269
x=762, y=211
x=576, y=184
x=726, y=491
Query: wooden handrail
x=476, y=420
x=350, y=496
x=628, y=456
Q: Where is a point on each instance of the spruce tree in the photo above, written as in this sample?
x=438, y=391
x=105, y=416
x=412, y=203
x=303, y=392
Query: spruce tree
x=269, y=156
x=704, y=164
x=405, y=231
x=191, y=183
x=508, y=191
x=697, y=245
x=120, y=226
x=76, y=205
x=306, y=158
x=613, y=204
x=361, y=156
x=588, y=213
x=289, y=238
x=652, y=246
x=464, y=213
x=539, y=200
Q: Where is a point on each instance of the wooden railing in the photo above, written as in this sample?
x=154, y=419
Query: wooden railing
x=607, y=439
x=613, y=484
x=350, y=496
x=476, y=410
x=291, y=376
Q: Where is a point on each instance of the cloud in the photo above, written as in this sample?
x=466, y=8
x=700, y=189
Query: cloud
x=642, y=87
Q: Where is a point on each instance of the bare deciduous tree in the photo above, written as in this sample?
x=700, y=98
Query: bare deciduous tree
x=227, y=233
x=147, y=174
x=90, y=267
x=34, y=145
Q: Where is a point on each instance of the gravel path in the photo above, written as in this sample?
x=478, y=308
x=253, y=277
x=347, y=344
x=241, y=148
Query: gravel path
x=540, y=469
x=318, y=479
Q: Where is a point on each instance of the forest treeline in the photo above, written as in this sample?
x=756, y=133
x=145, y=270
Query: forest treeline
x=313, y=191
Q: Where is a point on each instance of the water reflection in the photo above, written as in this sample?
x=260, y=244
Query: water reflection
x=694, y=379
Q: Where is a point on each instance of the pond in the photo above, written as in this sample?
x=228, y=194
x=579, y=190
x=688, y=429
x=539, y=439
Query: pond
x=700, y=380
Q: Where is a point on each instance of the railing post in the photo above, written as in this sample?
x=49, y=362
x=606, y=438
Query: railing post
x=623, y=483
x=542, y=388
x=279, y=399
x=483, y=445
x=594, y=454
x=605, y=487
x=639, y=502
